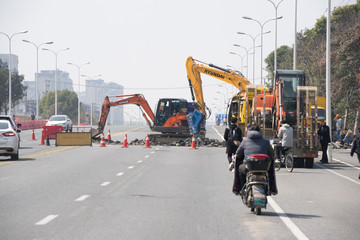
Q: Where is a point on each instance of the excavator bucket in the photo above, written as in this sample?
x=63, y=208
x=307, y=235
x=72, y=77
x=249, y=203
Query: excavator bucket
x=194, y=119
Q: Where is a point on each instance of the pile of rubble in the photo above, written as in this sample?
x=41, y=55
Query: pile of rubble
x=185, y=143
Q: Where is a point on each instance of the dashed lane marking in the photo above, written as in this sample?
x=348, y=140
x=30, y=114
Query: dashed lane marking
x=82, y=198
x=120, y=174
x=46, y=220
x=130, y=167
x=105, y=184
x=289, y=224
x=147, y=156
x=140, y=161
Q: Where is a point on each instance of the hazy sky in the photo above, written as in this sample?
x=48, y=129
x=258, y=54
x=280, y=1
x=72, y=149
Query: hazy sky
x=143, y=44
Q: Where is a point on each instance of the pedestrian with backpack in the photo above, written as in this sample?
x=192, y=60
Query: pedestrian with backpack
x=233, y=138
x=356, y=146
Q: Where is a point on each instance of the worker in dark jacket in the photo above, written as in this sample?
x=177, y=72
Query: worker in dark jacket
x=324, y=134
x=233, y=138
x=355, y=146
x=254, y=143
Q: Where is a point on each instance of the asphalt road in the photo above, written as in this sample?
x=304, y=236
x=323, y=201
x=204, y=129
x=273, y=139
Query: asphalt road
x=166, y=193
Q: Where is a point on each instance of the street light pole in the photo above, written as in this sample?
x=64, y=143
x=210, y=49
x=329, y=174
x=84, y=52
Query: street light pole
x=294, y=60
x=9, y=65
x=247, y=59
x=91, y=102
x=37, y=73
x=56, y=54
x=275, y=52
x=262, y=33
x=242, y=60
x=253, y=38
x=78, y=67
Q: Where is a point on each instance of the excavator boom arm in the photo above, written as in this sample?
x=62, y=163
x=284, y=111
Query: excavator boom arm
x=136, y=99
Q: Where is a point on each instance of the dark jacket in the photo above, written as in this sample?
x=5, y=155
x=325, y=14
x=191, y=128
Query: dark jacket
x=236, y=136
x=354, y=144
x=324, y=133
x=254, y=143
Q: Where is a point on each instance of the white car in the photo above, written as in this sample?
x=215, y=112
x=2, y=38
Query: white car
x=9, y=140
x=61, y=120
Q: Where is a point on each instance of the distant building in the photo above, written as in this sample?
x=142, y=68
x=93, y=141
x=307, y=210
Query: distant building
x=95, y=93
x=46, y=82
x=14, y=61
x=27, y=105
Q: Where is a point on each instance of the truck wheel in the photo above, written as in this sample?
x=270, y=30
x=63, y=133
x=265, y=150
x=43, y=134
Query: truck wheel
x=309, y=162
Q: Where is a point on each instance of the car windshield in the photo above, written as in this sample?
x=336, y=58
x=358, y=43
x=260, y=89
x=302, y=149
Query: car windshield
x=57, y=118
x=4, y=125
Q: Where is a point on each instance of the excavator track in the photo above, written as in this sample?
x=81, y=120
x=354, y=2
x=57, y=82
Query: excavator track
x=168, y=138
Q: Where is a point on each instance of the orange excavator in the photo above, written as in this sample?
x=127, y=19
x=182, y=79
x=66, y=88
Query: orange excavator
x=170, y=117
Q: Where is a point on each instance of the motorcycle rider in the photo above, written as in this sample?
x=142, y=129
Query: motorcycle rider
x=233, y=137
x=253, y=143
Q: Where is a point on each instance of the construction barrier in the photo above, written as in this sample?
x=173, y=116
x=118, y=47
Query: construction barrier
x=51, y=131
x=73, y=139
x=31, y=124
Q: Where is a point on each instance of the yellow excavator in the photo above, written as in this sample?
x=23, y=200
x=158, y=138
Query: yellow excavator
x=194, y=70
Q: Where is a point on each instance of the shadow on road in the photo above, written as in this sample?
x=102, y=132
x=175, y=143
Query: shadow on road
x=289, y=215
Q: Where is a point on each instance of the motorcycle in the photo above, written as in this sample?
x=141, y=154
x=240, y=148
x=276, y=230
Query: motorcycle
x=257, y=188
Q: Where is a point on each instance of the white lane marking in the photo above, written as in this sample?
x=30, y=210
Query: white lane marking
x=218, y=133
x=120, y=174
x=130, y=167
x=350, y=165
x=157, y=149
x=152, y=152
x=147, y=156
x=140, y=161
x=105, y=184
x=340, y=175
x=46, y=220
x=82, y=198
x=290, y=225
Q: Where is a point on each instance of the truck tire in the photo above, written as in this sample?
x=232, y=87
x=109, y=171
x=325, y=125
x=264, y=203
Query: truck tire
x=298, y=162
x=309, y=162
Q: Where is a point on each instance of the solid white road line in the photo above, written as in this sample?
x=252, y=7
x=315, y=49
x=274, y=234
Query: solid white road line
x=130, y=167
x=290, y=225
x=120, y=174
x=340, y=175
x=105, y=184
x=46, y=220
x=82, y=198
x=348, y=164
x=218, y=133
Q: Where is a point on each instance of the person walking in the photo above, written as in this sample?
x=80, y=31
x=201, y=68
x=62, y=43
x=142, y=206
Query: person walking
x=233, y=138
x=356, y=146
x=339, y=126
x=324, y=133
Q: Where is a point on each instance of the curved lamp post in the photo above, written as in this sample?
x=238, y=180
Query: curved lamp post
x=56, y=54
x=37, y=73
x=9, y=64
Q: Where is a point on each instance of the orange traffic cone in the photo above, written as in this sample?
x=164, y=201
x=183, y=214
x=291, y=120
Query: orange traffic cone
x=42, y=141
x=125, y=144
x=193, y=143
x=33, y=136
x=108, y=136
x=102, y=142
x=147, y=142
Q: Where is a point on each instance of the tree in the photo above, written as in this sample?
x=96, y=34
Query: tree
x=284, y=60
x=67, y=104
x=17, y=87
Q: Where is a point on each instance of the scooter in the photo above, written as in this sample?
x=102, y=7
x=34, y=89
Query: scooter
x=257, y=188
